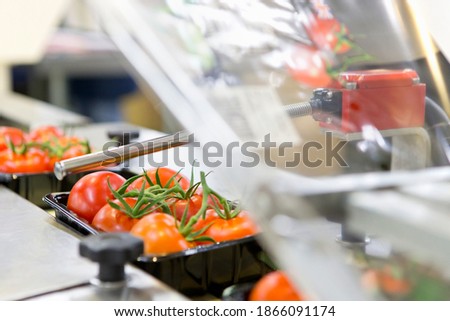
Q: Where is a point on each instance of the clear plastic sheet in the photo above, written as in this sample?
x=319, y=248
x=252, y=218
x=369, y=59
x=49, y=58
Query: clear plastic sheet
x=372, y=114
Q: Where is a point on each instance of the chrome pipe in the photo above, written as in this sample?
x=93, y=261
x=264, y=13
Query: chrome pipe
x=117, y=155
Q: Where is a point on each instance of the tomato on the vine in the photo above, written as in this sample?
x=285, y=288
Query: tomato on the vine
x=21, y=154
x=275, y=286
x=110, y=219
x=45, y=133
x=329, y=34
x=91, y=192
x=32, y=161
x=11, y=135
x=164, y=176
x=226, y=229
x=74, y=151
x=308, y=66
x=66, y=147
x=193, y=204
x=160, y=234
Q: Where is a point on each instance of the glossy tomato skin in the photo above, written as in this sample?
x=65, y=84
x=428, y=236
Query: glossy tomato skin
x=15, y=135
x=71, y=146
x=160, y=234
x=74, y=151
x=274, y=286
x=33, y=161
x=23, y=157
x=111, y=220
x=165, y=174
x=45, y=133
x=194, y=203
x=221, y=230
x=91, y=193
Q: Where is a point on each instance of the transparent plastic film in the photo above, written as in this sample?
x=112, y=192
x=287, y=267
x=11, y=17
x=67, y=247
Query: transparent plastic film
x=238, y=67
x=289, y=99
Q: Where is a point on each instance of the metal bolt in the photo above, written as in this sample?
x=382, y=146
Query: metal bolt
x=351, y=85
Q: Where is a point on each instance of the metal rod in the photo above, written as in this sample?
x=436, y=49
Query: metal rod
x=118, y=155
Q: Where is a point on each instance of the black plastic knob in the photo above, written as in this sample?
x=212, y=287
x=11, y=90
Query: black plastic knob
x=112, y=251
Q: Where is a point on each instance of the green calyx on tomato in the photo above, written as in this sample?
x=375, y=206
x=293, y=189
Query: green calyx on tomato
x=60, y=146
x=156, y=207
x=221, y=205
x=186, y=203
x=154, y=192
x=223, y=221
x=163, y=177
x=157, y=195
x=33, y=161
x=110, y=219
x=146, y=200
x=47, y=140
x=13, y=134
x=187, y=225
x=329, y=34
x=19, y=149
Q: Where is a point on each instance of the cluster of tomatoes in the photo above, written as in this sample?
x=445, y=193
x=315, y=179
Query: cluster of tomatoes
x=168, y=211
x=38, y=150
x=318, y=64
x=312, y=65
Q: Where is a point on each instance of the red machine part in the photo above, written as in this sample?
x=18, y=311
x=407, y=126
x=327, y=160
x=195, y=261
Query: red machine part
x=384, y=99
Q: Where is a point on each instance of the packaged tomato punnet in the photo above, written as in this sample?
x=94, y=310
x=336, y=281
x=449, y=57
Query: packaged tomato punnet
x=38, y=150
x=167, y=210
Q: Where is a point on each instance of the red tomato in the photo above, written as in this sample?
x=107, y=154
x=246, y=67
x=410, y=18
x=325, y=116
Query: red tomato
x=274, y=286
x=45, y=133
x=74, y=151
x=109, y=219
x=165, y=174
x=64, y=148
x=392, y=284
x=160, y=234
x=14, y=135
x=32, y=161
x=193, y=204
x=329, y=34
x=222, y=230
x=307, y=66
x=91, y=193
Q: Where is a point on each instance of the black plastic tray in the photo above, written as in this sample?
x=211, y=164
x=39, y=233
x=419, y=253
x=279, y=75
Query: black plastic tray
x=32, y=186
x=198, y=271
